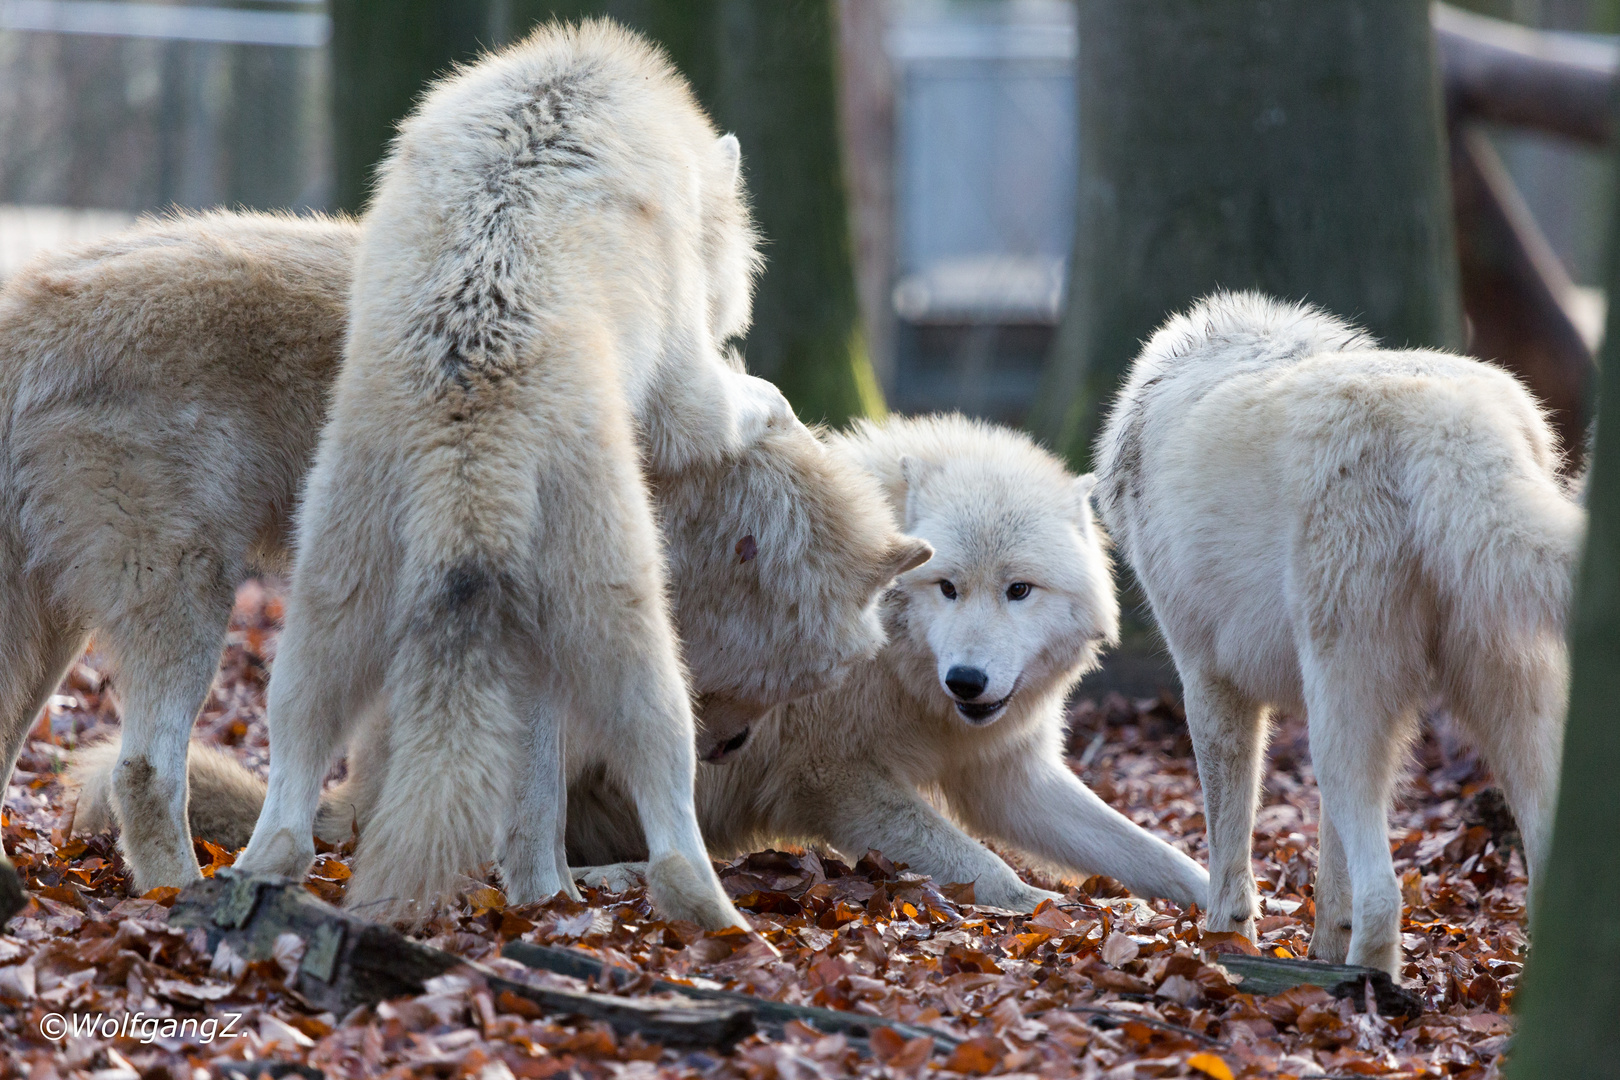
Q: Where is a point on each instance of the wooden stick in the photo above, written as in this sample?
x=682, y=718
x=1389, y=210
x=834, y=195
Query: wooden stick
x=772, y=1016
x=1274, y=974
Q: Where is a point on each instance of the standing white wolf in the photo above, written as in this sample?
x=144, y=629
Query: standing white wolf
x=557, y=249
x=1325, y=525
x=957, y=725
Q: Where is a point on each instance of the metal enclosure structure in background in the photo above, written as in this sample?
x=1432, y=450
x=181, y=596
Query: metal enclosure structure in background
x=137, y=106
x=984, y=177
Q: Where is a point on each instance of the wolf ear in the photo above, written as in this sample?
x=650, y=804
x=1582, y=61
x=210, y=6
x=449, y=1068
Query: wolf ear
x=915, y=471
x=728, y=152
x=905, y=553
x=1083, y=487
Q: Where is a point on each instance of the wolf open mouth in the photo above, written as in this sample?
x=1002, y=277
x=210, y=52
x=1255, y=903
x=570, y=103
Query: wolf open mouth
x=978, y=713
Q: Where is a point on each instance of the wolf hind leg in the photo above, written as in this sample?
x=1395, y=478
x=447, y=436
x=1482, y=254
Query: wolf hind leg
x=165, y=659
x=533, y=857
x=1510, y=700
x=613, y=652
x=328, y=669
x=1359, y=711
x=37, y=646
x=1228, y=735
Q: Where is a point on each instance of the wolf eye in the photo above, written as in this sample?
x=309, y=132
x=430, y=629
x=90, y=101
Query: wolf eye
x=948, y=589
x=1018, y=590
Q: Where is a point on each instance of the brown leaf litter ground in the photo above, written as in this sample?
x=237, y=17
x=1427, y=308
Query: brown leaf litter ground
x=1101, y=985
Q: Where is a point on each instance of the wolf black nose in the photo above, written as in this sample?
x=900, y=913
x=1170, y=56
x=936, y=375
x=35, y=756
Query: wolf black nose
x=966, y=683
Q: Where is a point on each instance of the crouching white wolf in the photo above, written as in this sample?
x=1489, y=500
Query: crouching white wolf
x=955, y=729
x=1325, y=525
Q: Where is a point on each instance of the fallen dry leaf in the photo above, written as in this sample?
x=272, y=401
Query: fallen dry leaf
x=1097, y=985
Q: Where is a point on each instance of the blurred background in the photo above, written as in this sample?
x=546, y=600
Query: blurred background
x=958, y=129
x=980, y=205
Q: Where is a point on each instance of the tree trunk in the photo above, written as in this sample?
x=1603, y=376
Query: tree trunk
x=765, y=70
x=383, y=53
x=1292, y=146
x=1571, y=995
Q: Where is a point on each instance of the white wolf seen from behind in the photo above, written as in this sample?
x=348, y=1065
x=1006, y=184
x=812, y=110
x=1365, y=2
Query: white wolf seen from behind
x=558, y=246
x=1321, y=524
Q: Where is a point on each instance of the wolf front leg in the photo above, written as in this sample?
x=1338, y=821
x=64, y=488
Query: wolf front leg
x=1228, y=736
x=1330, y=937
x=1034, y=803
x=875, y=812
x=329, y=665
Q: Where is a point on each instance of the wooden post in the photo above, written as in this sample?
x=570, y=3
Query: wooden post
x=1570, y=1000
x=1293, y=146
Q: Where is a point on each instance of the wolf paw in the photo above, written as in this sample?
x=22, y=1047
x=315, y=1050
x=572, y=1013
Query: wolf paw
x=614, y=878
x=1014, y=897
x=281, y=853
x=758, y=404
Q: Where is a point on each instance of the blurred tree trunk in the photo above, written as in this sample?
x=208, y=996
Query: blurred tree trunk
x=1293, y=146
x=383, y=53
x=765, y=69
x=1570, y=999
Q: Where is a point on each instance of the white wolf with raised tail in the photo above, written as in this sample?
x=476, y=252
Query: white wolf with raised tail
x=1324, y=525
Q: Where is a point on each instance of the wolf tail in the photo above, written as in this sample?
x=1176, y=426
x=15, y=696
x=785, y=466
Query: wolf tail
x=453, y=728
x=225, y=796
x=1500, y=535
x=1500, y=532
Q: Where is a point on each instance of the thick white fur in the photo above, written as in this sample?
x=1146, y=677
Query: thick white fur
x=165, y=390
x=1325, y=525
x=886, y=760
x=556, y=252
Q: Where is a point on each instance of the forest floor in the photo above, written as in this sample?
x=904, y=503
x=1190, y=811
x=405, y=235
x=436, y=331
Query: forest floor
x=1098, y=986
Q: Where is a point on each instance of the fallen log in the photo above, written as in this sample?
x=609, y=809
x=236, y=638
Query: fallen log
x=1267, y=975
x=348, y=961
x=771, y=1016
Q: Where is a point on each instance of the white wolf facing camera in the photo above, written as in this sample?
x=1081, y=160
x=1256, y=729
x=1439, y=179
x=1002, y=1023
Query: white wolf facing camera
x=955, y=730
x=556, y=251
x=1324, y=525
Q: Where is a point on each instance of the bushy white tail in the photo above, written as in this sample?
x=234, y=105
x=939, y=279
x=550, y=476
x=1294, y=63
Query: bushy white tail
x=448, y=779
x=225, y=796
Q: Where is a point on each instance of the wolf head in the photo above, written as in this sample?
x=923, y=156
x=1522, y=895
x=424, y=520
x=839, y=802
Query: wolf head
x=1018, y=598
x=777, y=556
